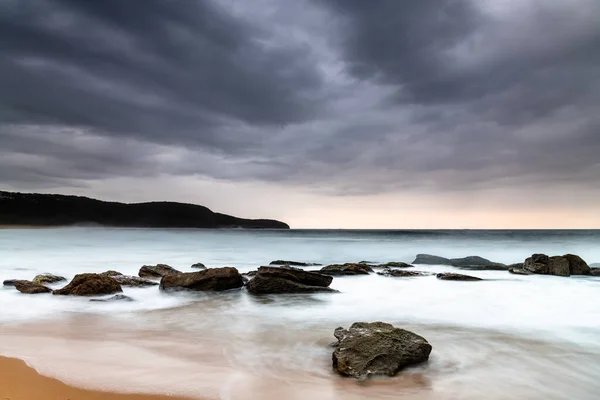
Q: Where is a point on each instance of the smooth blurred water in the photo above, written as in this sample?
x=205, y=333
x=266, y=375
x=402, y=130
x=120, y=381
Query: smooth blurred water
x=522, y=336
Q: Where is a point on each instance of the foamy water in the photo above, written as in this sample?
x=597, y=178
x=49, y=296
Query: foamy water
x=506, y=337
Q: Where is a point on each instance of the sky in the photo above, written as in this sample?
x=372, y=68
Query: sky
x=321, y=113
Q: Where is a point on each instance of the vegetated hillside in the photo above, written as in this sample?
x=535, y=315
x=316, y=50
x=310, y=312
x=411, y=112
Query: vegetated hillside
x=59, y=210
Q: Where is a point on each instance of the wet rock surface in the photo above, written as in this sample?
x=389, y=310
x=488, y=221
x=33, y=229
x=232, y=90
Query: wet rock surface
x=566, y=265
x=29, y=287
x=400, y=273
x=457, y=277
x=272, y=280
x=377, y=348
x=48, y=279
x=111, y=273
x=90, y=285
x=346, y=269
x=157, y=271
x=133, y=281
x=212, y=279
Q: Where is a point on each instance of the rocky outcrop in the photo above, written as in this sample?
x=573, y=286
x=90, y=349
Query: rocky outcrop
x=133, y=281
x=457, y=277
x=212, y=279
x=90, y=285
x=430, y=259
x=377, y=348
x=272, y=280
x=346, y=269
x=111, y=273
x=470, y=262
x=48, y=279
x=293, y=263
x=566, y=265
x=29, y=287
x=116, y=297
x=400, y=273
x=199, y=266
x=157, y=271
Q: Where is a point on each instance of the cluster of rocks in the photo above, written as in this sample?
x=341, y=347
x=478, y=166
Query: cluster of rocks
x=566, y=265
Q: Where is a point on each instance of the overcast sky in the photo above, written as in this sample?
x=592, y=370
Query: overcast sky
x=322, y=113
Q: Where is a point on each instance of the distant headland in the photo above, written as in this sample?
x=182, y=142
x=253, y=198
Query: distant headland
x=33, y=209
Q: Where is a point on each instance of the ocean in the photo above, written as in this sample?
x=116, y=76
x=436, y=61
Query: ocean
x=507, y=337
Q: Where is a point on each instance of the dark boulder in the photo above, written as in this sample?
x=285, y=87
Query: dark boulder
x=48, y=279
x=537, y=263
x=296, y=275
x=566, y=265
x=429, y=259
x=29, y=287
x=377, y=349
x=457, y=277
x=261, y=284
x=9, y=282
x=293, y=263
x=111, y=273
x=116, y=297
x=559, y=266
x=346, y=269
x=90, y=285
x=199, y=266
x=576, y=265
x=400, y=273
x=212, y=279
x=157, y=271
x=519, y=271
x=133, y=281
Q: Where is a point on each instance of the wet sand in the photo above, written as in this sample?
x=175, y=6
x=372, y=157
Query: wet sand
x=18, y=381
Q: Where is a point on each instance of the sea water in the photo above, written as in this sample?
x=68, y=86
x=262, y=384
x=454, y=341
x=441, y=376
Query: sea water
x=507, y=336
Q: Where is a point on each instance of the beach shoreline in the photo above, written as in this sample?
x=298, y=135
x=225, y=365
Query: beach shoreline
x=18, y=381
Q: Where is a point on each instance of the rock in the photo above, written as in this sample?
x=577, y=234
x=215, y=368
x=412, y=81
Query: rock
x=377, y=349
x=117, y=297
x=157, y=271
x=199, y=266
x=576, y=265
x=29, y=287
x=90, y=285
x=457, y=277
x=47, y=279
x=519, y=271
x=294, y=263
x=431, y=260
x=111, y=273
x=212, y=279
x=537, y=263
x=394, y=265
x=346, y=269
x=400, y=273
x=9, y=282
x=272, y=280
x=133, y=281
x=474, y=261
x=595, y=271
x=558, y=266
x=367, y=262
x=489, y=267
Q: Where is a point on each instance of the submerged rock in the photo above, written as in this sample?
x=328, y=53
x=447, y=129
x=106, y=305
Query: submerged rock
x=212, y=279
x=47, y=279
x=133, y=281
x=90, y=285
x=111, y=273
x=400, y=273
x=29, y=287
x=457, y=277
x=293, y=263
x=272, y=280
x=519, y=271
x=117, y=297
x=199, y=266
x=157, y=271
x=346, y=269
x=377, y=348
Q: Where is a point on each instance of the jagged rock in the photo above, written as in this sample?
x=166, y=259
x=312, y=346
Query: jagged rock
x=576, y=265
x=199, y=266
x=9, y=282
x=558, y=266
x=377, y=348
x=400, y=273
x=394, y=264
x=537, y=263
x=117, y=297
x=157, y=271
x=457, y=277
x=519, y=271
x=293, y=263
x=595, y=271
x=431, y=260
x=47, y=279
x=29, y=287
x=111, y=273
x=133, y=281
x=212, y=279
x=346, y=269
x=90, y=285
x=272, y=280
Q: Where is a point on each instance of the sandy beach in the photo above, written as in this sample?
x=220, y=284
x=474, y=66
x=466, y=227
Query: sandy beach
x=18, y=381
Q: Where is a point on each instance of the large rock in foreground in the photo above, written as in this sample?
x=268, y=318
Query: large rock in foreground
x=90, y=285
x=212, y=279
x=272, y=280
x=377, y=348
x=157, y=271
x=29, y=287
